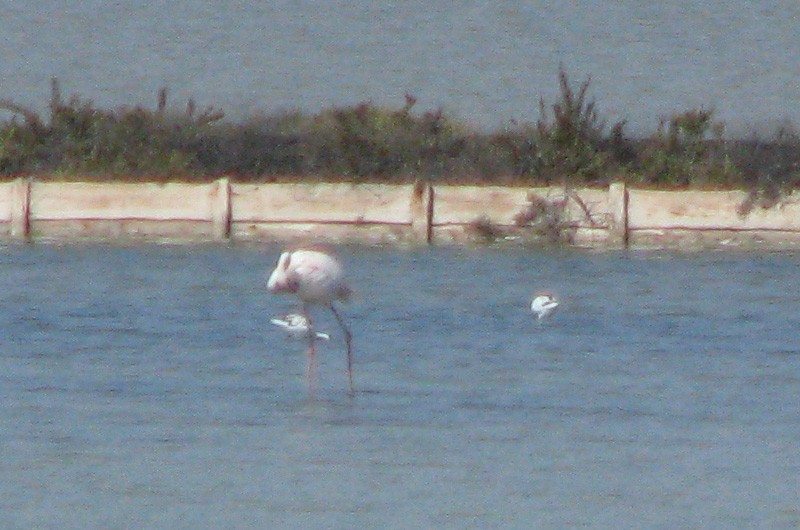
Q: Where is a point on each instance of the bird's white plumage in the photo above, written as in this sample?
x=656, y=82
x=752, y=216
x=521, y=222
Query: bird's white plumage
x=296, y=326
x=316, y=278
x=544, y=305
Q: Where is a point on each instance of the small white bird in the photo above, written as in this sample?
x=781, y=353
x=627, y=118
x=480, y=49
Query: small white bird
x=296, y=326
x=316, y=278
x=544, y=305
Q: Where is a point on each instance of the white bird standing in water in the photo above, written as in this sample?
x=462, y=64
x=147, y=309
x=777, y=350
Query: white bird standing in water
x=544, y=305
x=296, y=326
x=316, y=278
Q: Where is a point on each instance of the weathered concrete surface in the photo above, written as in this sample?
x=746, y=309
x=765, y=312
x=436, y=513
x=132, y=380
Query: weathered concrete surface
x=710, y=219
x=708, y=210
x=463, y=205
x=314, y=212
x=304, y=233
x=618, y=214
x=680, y=239
x=5, y=208
x=123, y=210
x=123, y=229
x=470, y=213
x=322, y=203
x=53, y=201
x=5, y=201
x=15, y=208
x=376, y=213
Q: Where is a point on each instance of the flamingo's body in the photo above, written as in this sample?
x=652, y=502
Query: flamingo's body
x=296, y=326
x=544, y=305
x=316, y=278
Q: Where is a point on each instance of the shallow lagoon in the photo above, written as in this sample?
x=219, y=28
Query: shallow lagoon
x=144, y=387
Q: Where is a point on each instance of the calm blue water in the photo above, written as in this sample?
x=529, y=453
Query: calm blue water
x=142, y=387
x=484, y=62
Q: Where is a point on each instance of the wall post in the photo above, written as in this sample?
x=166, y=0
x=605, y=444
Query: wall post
x=422, y=212
x=221, y=209
x=618, y=208
x=20, y=209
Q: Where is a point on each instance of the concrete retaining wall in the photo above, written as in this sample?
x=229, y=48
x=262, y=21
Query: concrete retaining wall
x=379, y=213
x=342, y=212
x=710, y=218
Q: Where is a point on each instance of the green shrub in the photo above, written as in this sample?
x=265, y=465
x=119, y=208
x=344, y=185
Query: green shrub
x=570, y=141
x=569, y=144
x=81, y=140
x=770, y=169
x=365, y=142
x=688, y=149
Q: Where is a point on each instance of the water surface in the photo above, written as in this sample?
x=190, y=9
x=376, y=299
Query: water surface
x=143, y=387
x=484, y=62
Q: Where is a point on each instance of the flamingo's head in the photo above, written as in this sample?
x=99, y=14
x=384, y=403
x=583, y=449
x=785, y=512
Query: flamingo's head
x=281, y=280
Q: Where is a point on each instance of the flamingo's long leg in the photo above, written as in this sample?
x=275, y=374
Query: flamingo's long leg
x=348, y=338
x=311, y=370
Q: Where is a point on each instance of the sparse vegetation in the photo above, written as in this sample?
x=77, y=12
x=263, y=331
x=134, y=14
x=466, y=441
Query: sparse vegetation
x=485, y=230
x=547, y=218
x=569, y=145
x=771, y=170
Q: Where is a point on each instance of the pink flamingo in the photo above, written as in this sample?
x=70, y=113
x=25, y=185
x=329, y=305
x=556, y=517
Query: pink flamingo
x=316, y=278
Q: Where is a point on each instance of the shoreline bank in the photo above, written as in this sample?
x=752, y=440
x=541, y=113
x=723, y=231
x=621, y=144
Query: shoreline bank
x=615, y=217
